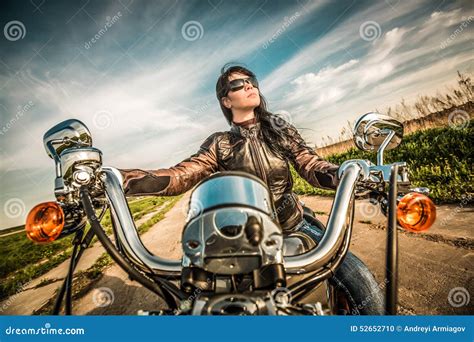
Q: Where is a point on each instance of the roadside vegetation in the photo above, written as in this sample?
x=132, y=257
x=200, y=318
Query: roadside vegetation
x=21, y=260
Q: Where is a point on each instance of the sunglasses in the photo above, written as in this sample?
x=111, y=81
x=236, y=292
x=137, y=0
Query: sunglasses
x=236, y=85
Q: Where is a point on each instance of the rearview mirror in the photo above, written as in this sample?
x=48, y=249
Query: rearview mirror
x=64, y=135
x=374, y=131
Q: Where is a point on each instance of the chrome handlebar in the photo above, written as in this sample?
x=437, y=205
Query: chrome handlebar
x=127, y=234
x=129, y=239
x=336, y=228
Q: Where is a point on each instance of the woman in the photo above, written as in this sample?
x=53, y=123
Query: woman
x=264, y=145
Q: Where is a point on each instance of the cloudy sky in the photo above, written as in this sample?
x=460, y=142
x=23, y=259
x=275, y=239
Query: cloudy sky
x=141, y=74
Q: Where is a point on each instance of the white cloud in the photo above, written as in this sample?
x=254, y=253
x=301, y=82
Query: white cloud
x=153, y=111
x=396, y=65
x=337, y=42
x=317, y=90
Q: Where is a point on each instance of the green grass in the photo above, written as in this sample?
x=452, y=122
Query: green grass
x=18, y=252
x=438, y=158
x=21, y=260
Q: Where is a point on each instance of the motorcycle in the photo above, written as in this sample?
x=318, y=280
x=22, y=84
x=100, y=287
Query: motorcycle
x=236, y=259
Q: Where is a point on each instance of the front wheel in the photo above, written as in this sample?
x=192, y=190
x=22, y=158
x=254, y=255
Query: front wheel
x=355, y=290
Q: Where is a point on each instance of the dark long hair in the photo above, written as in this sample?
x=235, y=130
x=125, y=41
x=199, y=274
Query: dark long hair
x=271, y=125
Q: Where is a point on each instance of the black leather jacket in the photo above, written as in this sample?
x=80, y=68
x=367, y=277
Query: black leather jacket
x=241, y=149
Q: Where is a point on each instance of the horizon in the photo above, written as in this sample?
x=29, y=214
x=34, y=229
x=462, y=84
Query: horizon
x=141, y=75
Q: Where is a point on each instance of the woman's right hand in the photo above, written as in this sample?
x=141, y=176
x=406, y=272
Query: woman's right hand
x=138, y=182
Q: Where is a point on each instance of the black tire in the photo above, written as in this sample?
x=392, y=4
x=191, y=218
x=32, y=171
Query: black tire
x=356, y=290
x=353, y=283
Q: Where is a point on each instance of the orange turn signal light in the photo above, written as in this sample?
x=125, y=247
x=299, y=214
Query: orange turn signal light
x=416, y=212
x=45, y=222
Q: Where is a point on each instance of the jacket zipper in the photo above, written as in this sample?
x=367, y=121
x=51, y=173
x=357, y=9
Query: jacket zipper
x=259, y=161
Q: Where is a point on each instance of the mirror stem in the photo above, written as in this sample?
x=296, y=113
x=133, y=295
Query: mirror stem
x=383, y=146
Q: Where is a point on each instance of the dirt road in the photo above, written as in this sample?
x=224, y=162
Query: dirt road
x=436, y=268
x=436, y=271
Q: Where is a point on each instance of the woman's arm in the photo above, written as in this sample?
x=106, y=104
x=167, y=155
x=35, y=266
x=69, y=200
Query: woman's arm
x=309, y=164
x=174, y=180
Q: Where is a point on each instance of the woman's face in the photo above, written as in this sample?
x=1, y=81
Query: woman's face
x=246, y=98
